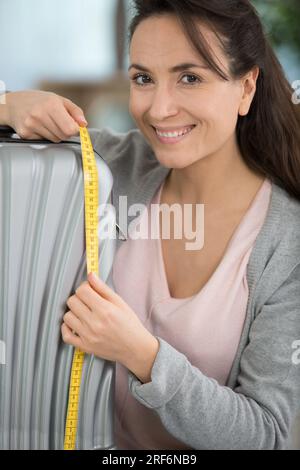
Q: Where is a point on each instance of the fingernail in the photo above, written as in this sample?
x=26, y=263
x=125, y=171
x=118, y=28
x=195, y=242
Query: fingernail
x=82, y=119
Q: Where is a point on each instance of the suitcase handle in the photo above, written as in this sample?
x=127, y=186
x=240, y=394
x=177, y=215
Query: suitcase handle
x=7, y=132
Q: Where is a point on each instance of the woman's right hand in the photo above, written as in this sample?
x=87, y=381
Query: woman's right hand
x=35, y=114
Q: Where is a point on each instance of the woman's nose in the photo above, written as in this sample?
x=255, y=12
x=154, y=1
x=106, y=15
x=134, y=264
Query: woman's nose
x=163, y=104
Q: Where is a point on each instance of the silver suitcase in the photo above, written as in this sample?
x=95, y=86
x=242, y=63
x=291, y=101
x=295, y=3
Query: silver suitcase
x=42, y=253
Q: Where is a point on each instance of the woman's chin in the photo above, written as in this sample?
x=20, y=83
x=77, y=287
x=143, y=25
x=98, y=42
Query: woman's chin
x=171, y=162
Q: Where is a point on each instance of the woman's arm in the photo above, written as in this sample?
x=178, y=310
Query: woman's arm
x=36, y=114
x=258, y=413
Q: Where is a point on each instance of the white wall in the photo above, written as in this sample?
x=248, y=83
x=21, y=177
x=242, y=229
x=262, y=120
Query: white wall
x=67, y=40
x=55, y=39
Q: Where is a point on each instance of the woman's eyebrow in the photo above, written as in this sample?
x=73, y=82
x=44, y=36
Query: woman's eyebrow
x=176, y=68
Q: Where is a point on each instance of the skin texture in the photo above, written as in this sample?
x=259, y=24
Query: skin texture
x=207, y=168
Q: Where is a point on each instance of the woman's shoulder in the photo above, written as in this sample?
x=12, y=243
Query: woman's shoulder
x=287, y=206
x=276, y=251
x=130, y=146
x=289, y=220
x=280, y=233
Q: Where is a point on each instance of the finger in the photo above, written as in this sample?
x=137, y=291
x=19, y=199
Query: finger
x=41, y=135
x=104, y=290
x=52, y=126
x=48, y=129
x=79, y=308
x=69, y=337
x=44, y=133
x=34, y=137
x=66, y=123
x=91, y=298
x=52, y=130
x=75, y=111
x=73, y=322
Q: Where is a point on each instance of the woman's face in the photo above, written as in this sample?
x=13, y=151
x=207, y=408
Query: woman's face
x=193, y=101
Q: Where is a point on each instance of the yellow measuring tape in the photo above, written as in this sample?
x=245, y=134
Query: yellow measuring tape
x=91, y=240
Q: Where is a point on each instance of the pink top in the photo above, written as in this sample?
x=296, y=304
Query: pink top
x=206, y=327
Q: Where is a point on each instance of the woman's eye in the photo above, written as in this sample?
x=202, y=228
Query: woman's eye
x=141, y=77
x=193, y=80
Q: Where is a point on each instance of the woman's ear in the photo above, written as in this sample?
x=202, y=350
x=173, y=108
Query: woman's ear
x=249, y=89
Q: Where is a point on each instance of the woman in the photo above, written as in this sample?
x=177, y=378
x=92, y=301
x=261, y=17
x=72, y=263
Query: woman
x=205, y=340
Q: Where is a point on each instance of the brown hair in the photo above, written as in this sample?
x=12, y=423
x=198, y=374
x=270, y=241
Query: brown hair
x=269, y=135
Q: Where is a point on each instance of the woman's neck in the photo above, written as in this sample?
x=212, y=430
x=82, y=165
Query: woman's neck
x=219, y=183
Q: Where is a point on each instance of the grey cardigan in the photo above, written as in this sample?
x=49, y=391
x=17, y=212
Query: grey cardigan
x=256, y=408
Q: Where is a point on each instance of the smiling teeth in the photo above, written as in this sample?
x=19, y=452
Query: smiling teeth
x=173, y=134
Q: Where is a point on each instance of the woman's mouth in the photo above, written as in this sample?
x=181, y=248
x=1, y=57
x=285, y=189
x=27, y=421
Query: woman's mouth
x=172, y=137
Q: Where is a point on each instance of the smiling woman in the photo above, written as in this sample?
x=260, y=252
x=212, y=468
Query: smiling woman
x=230, y=69
x=203, y=95
x=166, y=99
x=203, y=340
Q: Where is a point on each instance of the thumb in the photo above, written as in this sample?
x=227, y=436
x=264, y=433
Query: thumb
x=104, y=290
x=75, y=111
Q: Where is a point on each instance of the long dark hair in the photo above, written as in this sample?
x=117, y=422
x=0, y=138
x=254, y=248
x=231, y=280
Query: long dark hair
x=269, y=135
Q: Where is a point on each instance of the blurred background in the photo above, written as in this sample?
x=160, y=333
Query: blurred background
x=78, y=49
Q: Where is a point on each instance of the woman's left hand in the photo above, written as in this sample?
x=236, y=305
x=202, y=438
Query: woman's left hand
x=101, y=323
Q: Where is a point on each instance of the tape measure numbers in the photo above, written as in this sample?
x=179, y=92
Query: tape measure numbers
x=91, y=241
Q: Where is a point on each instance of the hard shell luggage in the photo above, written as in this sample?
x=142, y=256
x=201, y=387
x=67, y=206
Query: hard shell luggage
x=42, y=256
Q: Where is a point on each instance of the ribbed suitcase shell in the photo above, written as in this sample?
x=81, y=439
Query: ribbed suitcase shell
x=42, y=253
